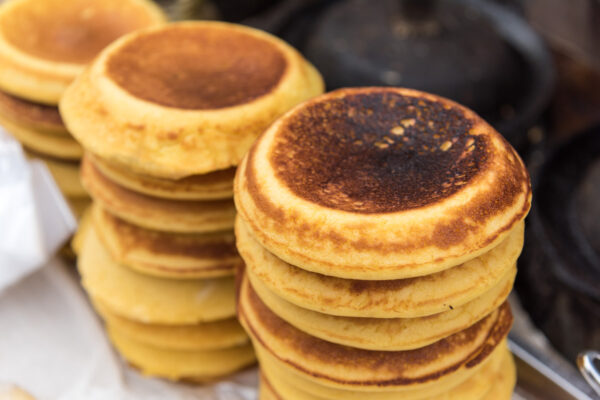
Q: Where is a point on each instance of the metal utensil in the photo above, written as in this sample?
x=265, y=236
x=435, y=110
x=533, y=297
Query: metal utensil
x=589, y=370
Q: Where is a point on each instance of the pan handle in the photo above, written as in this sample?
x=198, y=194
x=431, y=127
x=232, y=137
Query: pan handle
x=589, y=370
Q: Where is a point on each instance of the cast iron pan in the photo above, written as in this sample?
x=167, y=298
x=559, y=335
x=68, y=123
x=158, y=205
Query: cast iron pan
x=559, y=277
x=298, y=21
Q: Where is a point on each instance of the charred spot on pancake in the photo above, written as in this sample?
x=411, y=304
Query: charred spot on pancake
x=378, y=151
x=197, y=68
x=71, y=32
x=25, y=110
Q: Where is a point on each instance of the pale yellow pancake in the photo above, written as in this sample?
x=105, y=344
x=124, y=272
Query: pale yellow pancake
x=80, y=208
x=381, y=183
x=85, y=225
x=169, y=255
x=45, y=44
x=491, y=378
x=504, y=381
x=59, y=146
x=148, y=103
x=403, y=298
x=442, y=364
x=13, y=392
x=65, y=174
x=195, y=366
x=155, y=213
x=213, y=185
x=266, y=391
x=213, y=335
x=31, y=115
x=388, y=334
x=149, y=299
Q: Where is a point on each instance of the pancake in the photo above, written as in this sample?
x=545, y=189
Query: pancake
x=203, y=336
x=79, y=205
x=59, y=146
x=153, y=212
x=13, y=392
x=266, y=390
x=441, y=364
x=405, y=298
x=195, y=366
x=292, y=386
x=45, y=44
x=34, y=116
x=381, y=183
x=85, y=225
x=489, y=379
x=214, y=185
x=387, y=334
x=65, y=174
x=148, y=299
x=147, y=103
x=169, y=255
x=505, y=380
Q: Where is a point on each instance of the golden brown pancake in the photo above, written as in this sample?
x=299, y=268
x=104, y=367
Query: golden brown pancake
x=213, y=335
x=35, y=116
x=214, y=185
x=291, y=386
x=387, y=334
x=58, y=146
x=149, y=299
x=45, y=44
x=441, y=364
x=381, y=183
x=402, y=298
x=147, y=103
x=79, y=205
x=163, y=254
x=153, y=212
x=195, y=366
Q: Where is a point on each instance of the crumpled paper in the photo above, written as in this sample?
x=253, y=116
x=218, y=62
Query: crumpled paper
x=35, y=220
x=52, y=344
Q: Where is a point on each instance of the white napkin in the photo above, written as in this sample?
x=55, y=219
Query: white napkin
x=54, y=347
x=35, y=220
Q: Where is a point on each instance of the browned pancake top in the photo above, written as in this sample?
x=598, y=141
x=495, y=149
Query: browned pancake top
x=197, y=67
x=377, y=151
x=398, y=362
x=27, y=111
x=71, y=31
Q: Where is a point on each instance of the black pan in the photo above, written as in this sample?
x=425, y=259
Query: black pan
x=296, y=21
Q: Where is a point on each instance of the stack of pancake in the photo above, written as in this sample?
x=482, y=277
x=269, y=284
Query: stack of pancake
x=380, y=228
x=164, y=116
x=44, y=44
